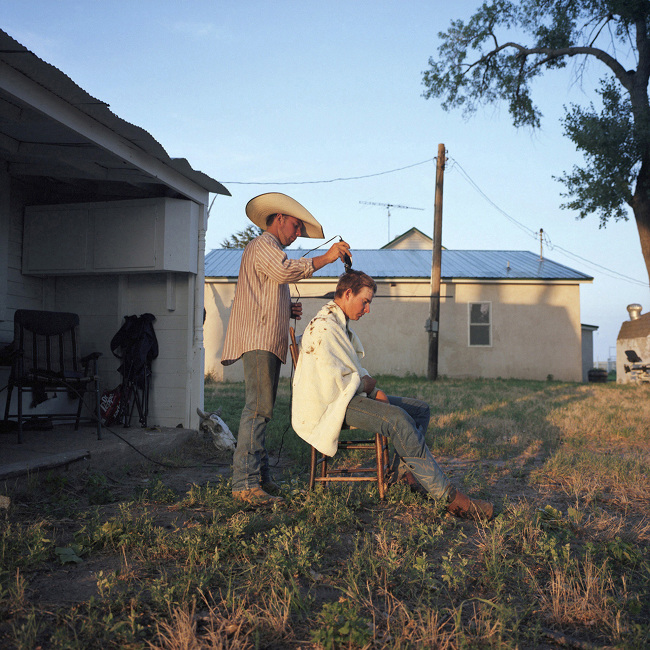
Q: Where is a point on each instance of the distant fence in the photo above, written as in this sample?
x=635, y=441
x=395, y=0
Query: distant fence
x=608, y=365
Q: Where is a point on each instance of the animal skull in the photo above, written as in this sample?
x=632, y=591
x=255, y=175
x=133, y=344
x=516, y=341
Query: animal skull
x=215, y=428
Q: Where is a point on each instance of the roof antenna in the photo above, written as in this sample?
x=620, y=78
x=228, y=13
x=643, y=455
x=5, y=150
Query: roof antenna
x=541, y=244
x=388, y=206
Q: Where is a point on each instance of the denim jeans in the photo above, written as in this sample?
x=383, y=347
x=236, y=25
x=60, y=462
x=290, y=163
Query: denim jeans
x=250, y=465
x=404, y=421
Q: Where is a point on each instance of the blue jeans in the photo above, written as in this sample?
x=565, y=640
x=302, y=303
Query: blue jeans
x=404, y=421
x=250, y=465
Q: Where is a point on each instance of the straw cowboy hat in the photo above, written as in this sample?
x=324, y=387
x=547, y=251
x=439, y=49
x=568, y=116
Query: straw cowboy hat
x=260, y=207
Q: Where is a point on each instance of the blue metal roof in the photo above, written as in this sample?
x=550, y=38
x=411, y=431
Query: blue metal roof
x=485, y=265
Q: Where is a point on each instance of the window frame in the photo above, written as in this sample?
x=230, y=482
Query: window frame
x=481, y=325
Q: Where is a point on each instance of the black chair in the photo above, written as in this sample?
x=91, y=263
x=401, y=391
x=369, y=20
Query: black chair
x=46, y=358
x=640, y=371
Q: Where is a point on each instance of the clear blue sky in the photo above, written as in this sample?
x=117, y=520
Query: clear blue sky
x=299, y=91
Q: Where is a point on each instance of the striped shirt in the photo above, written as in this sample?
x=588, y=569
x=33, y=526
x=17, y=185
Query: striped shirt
x=259, y=319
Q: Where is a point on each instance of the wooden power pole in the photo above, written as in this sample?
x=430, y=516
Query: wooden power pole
x=433, y=324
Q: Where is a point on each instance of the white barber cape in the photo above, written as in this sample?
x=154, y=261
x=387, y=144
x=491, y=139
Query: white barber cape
x=328, y=376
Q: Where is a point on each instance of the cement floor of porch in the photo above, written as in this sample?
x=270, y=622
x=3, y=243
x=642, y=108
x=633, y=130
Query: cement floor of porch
x=63, y=447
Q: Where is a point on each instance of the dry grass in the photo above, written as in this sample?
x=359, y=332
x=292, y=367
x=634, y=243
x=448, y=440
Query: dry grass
x=565, y=561
x=582, y=595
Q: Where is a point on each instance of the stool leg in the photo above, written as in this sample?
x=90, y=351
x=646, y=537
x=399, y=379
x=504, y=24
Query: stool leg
x=312, y=469
x=380, y=465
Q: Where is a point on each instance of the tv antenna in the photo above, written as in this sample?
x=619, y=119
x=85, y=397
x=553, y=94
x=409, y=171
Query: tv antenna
x=388, y=206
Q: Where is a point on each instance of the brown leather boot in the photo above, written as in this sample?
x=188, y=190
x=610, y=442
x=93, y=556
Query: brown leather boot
x=462, y=506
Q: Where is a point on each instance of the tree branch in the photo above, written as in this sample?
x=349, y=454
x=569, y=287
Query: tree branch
x=552, y=53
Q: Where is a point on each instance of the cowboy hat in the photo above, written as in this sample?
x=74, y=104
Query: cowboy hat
x=260, y=207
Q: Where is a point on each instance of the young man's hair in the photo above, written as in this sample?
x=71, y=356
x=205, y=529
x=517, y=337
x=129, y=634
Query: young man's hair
x=355, y=280
x=270, y=219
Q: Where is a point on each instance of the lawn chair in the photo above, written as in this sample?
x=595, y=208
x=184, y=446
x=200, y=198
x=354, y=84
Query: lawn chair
x=46, y=358
x=377, y=473
x=640, y=371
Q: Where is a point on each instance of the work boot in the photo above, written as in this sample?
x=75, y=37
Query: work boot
x=461, y=505
x=256, y=497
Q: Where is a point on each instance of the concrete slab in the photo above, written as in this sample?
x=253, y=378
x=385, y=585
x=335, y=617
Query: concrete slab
x=64, y=447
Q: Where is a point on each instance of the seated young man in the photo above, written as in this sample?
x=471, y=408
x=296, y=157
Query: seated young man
x=331, y=388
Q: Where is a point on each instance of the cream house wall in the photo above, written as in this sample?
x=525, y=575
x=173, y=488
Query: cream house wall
x=536, y=332
x=412, y=241
x=536, y=328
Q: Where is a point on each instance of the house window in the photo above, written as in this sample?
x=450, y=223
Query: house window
x=480, y=323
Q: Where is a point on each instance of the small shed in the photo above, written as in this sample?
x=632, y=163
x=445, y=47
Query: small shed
x=587, y=349
x=634, y=335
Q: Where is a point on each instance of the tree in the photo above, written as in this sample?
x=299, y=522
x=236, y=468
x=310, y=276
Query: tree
x=241, y=237
x=475, y=67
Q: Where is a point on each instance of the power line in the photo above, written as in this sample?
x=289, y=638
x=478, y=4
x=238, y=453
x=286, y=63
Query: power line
x=467, y=177
x=456, y=165
x=331, y=180
x=603, y=269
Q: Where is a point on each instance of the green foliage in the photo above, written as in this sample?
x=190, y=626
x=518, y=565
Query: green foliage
x=613, y=149
x=156, y=492
x=241, y=237
x=98, y=490
x=506, y=45
x=339, y=625
x=25, y=546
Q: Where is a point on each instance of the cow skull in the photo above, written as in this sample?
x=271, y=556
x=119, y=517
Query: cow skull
x=217, y=430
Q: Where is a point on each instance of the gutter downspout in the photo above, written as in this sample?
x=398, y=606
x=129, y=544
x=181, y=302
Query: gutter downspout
x=198, y=349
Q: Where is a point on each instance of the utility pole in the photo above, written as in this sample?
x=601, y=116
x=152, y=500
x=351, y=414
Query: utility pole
x=433, y=324
x=388, y=206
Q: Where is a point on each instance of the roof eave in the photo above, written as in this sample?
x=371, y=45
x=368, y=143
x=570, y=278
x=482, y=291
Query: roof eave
x=177, y=174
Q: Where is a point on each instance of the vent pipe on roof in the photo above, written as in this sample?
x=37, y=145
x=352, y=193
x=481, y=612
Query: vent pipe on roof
x=634, y=310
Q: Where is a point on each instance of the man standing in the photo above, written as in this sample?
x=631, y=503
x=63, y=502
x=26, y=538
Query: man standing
x=330, y=388
x=259, y=325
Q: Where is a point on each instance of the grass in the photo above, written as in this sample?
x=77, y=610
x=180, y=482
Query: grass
x=144, y=560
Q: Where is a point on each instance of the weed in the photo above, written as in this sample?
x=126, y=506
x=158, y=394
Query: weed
x=155, y=492
x=98, y=491
x=339, y=624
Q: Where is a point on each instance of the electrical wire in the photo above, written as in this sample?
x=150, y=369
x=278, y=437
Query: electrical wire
x=456, y=165
x=104, y=427
x=331, y=180
x=535, y=235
